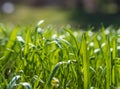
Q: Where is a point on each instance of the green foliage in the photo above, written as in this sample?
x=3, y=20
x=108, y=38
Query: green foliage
x=44, y=58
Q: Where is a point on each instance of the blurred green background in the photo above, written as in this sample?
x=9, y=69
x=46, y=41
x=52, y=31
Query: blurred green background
x=78, y=13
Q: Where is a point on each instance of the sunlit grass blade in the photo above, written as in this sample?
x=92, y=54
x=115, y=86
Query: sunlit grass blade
x=74, y=39
x=11, y=42
x=114, y=55
x=108, y=64
x=85, y=62
x=27, y=41
x=3, y=30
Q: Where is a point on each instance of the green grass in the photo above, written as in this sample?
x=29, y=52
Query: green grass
x=38, y=57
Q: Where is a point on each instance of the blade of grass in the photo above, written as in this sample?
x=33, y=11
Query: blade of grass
x=27, y=41
x=85, y=63
x=26, y=85
x=10, y=42
x=108, y=64
x=13, y=82
x=114, y=55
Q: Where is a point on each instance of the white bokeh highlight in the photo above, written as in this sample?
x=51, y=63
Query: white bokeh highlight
x=8, y=7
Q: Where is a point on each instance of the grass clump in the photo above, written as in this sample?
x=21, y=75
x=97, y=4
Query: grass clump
x=44, y=58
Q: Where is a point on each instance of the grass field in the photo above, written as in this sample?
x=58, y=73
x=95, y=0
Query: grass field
x=36, y=57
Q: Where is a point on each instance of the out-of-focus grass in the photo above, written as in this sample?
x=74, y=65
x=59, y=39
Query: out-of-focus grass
x=59, y=17
x=27, y=15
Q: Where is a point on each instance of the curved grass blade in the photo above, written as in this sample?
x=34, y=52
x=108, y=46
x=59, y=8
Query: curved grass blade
x=13, y=82
x=56, y=68
x=71, y=34
x=54, y=71
x=26, y=85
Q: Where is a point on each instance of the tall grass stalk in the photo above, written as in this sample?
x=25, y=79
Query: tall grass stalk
x=85, y=62
x=114, y=55
x=108, y=64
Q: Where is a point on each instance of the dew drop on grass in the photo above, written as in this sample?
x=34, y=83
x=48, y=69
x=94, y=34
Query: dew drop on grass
x=99, y=37
x=20, y=39
x=40, y=22
x=75, y=34
x=90, y=33
x=91, y=44
x=107, y=32
x=55, y=82
x=111, y=49
x=118, y=47
x=39, y=30
x=61, y=36
x=103, y=44
x=96, y=50
x=54, y=36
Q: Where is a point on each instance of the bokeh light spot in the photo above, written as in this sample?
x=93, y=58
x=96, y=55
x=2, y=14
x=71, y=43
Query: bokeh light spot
x=8, y=7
